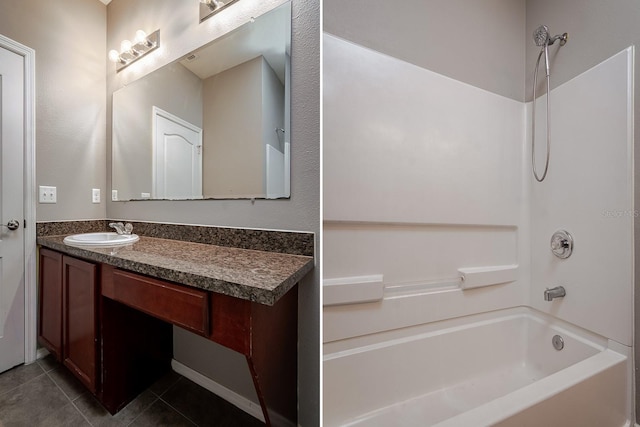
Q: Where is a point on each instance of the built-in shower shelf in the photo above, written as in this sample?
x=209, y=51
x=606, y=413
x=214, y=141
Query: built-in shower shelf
x=352, y=290
x=477, y=277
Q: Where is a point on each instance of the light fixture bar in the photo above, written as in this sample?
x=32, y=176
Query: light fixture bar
x=208, y=8
x=130, y=52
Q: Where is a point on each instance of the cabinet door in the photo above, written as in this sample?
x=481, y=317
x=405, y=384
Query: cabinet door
x=79, y=319
x=50, y=302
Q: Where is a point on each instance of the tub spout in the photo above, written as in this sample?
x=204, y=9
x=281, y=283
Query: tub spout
x=557, y=292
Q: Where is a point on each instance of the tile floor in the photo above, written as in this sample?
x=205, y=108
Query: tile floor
x=46, y=394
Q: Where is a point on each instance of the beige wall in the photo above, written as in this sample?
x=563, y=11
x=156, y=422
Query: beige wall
x=70, y=98
x=181, y=33
x=480, y=42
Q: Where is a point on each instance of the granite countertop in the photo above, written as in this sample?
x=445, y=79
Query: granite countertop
x=258, y=276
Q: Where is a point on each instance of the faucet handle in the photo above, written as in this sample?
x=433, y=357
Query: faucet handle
x=562, y=244
x=118, y=226
x=128, y=228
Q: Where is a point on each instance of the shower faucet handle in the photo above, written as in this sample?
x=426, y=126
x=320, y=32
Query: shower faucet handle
x=562, y=244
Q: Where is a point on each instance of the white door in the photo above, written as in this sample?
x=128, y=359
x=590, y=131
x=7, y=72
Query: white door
x=177, y=166
x=12, y=278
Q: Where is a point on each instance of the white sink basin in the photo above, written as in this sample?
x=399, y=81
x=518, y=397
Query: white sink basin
x=101, y=239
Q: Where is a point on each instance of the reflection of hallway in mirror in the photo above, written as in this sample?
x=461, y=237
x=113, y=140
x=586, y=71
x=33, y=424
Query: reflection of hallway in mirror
x=177, y=157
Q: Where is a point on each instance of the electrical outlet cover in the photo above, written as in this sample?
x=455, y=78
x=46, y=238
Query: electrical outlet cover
x=47, y=194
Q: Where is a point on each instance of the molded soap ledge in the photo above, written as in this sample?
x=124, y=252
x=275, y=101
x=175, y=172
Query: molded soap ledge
x=477, y=277
x=352, y=290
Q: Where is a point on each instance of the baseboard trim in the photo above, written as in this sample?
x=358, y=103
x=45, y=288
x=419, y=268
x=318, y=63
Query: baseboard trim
x=230, y=396
x=41, y=353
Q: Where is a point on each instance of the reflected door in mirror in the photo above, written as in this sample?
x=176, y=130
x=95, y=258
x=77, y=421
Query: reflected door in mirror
x=177, y=167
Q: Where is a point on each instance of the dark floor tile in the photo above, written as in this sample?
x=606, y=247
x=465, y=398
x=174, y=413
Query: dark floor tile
x=99, y=416
x=95, y=412
x=48, y=363
x=136, y=407
x=67, y=382
x=18, y=376
x=31, y=403
x=161, y=415
x=66, y=417
x=164, y=383
x=205, y=408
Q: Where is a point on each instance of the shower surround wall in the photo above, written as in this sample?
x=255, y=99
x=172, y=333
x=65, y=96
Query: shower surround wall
x=588, y=192
x=423, y=192
x=429, y=153
x=437, y=147
x=602, y=30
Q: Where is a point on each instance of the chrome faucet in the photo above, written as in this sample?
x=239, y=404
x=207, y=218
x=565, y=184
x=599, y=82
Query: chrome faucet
x=122, y=228
x=557, y=292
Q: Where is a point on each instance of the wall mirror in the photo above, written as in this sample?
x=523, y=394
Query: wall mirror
x=214, y=124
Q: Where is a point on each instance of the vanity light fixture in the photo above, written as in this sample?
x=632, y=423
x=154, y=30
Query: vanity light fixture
x=208, y=8
x=132, y=51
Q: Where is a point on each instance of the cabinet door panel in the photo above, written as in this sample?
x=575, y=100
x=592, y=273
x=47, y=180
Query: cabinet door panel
x=50, y=302
x=79, y=319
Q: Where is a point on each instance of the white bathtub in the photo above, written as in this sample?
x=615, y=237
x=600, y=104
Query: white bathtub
x=492, y=369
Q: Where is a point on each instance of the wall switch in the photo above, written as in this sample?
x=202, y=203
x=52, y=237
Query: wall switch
x=47, y=194
x=114, y=195
x=95, y=195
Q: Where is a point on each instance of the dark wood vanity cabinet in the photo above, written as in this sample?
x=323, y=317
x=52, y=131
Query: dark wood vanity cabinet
x=50, y=302
x=113, y=329
x=79, y=331
x=68, y=317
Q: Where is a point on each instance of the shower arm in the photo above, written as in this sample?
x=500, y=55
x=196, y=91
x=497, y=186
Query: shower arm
x=562, y=37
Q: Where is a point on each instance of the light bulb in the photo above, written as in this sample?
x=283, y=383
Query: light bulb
x=125, y=46
x=141, y=37
x=114, y=56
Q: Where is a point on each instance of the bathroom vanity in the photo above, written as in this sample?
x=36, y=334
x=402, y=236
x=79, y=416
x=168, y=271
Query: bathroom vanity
x=107, y=313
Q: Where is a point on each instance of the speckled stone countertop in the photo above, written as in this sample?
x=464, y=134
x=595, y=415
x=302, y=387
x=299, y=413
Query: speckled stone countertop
x=258, y=276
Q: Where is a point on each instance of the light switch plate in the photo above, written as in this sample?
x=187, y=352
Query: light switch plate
x=95, y=195
x=47, y=194
x=114, y=195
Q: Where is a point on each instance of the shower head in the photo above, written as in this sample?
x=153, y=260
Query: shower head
x=541, y=35
x=542, y=38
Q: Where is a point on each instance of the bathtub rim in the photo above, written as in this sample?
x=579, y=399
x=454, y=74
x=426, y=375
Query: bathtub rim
x=363, y=343
x=607, y=354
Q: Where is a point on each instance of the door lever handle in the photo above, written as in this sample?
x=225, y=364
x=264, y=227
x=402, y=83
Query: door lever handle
x=13, y=224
